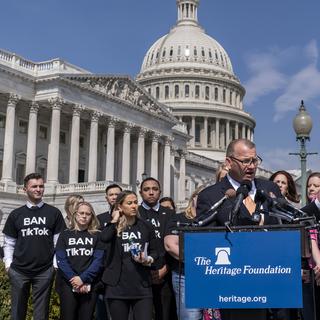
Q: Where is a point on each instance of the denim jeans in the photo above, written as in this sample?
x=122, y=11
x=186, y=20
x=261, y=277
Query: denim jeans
x=183, y=312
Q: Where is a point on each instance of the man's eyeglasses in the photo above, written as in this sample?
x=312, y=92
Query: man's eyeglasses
x=247, y=162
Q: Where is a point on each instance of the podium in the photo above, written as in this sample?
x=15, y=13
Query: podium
x=252, y=267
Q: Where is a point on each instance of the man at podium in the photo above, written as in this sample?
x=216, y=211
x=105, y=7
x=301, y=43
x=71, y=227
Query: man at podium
x=242, y=162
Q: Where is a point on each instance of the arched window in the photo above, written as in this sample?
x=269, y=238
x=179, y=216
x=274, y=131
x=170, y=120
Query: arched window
x=166, y=92
x=216, y=95
x=202, y=52
x=197, y=92
x=186, y=91
x=207, y=96
x=164, y=53
x=176, y=91
x=195, y=52
x=231, y=102
x=157, y=92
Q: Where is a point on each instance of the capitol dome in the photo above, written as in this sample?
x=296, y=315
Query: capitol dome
x=192, y=74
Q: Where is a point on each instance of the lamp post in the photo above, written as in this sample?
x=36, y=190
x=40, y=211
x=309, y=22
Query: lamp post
x=302, y=125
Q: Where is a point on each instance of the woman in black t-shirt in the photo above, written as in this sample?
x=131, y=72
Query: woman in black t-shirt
x=80, y=257
x=132, y=250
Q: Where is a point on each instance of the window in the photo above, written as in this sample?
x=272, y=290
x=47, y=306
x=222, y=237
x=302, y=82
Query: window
x=157, y=92
x=81, y=174
x=197, y=133
x=231, y=97
x=202, y=52
x=43, y=132
x=195, y=52
x=63, y=137
x=210, y=54
x=207, y=93
x=171, y=52
x=81, y=142
x=187, y=51
x=23, y=126
x=216, y=95
x=179, y=50
x=224, y=96
x=2, y=121
x=197, y=93
x=164, y=53
x=186, y=91
x=20, y=173
x=176, y=91
x=166, y=92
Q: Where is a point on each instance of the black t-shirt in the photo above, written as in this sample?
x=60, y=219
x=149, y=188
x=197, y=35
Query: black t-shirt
x=158, y=220
x=78, y=248
x=33, y=230
x=132, y=284
x=172, y=229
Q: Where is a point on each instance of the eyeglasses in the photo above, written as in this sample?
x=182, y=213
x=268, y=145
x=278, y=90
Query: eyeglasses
x=247, y=162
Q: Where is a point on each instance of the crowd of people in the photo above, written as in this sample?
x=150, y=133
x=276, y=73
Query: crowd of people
x=125, y=263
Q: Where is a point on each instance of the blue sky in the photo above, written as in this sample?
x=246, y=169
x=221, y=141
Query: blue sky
x=273, y=46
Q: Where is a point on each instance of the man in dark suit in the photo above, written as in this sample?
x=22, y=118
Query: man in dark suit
x=242, y=162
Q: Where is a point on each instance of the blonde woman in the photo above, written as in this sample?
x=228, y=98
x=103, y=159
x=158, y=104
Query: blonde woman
x=70, y=207
x=132, y=250
x=80, y=258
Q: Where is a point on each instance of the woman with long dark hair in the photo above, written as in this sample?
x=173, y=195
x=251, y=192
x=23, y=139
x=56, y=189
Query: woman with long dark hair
x=132, y=249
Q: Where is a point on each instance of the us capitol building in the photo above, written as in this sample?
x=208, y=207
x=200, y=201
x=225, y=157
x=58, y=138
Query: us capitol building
x=83, y=131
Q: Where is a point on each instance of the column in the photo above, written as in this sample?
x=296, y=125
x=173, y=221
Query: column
x=217, y=133
x=205, y=133
x=248, y=133
x=167, y=167
x=126, y=154
x=93, y=147
x=141, y=153
x=236, y=130
x=243, y=135
x=32, y=138
x=154, y=155
x=227, y=132
x=53, y=149
x=110, y=149
x=7, y=174
x=74, y=145
x=182, y=176
x=193, y=131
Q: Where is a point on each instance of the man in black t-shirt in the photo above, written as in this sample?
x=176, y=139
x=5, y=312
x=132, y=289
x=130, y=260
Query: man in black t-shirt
x=151, y=210
x=112, y=192
x=30, y=234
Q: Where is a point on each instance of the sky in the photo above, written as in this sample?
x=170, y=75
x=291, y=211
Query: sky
x=273, y=45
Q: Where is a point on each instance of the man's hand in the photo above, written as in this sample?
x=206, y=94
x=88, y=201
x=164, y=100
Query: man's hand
x=115, y=215
x=76, y=282
x=158, y=275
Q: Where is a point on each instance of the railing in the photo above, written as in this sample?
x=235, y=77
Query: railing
x=86, y=187
x=37, y=68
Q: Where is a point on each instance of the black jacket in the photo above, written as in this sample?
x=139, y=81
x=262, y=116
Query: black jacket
x=214, y=193
x=112, y=271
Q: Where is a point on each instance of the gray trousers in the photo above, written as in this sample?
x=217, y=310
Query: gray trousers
x=20, y=291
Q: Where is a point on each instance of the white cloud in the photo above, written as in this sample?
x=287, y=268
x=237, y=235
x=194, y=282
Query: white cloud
x=268, y=76
x=279, y=159
x=304, y=85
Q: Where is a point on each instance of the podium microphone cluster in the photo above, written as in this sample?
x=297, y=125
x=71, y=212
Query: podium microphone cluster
x=230, y=193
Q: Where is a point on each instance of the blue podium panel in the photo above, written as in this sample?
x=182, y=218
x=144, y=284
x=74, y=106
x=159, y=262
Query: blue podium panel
x=243, y=269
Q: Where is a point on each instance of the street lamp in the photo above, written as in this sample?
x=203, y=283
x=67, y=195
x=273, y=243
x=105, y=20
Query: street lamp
x=302, y=125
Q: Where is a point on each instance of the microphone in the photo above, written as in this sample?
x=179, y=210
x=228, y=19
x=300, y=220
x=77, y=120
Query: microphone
x=230, y=193
x=275, y=205
x=241, y=194
x=284, y=204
